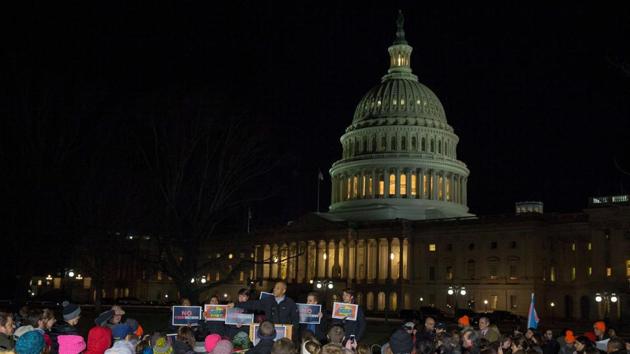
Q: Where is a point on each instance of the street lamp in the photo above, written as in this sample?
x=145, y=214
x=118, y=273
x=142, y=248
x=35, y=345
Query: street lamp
x=607, y=298
x=455, y=290
x=485, y=305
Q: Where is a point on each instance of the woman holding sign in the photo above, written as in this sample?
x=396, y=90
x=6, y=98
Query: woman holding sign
x=232, y=330
x=210, y=326
x=353, y=320
x=313, y=323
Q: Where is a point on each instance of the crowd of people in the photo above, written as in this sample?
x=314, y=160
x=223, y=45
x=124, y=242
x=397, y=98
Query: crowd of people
x=37, y=331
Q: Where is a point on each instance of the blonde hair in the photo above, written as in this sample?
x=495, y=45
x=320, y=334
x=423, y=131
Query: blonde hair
x=312, y=346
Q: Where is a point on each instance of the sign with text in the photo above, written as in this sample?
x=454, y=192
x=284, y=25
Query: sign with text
x=309, y=314
x=215, y=312
x=264, y=295
x=282, y=331
x=237, y=316
x=343, y=311
x=186, y=315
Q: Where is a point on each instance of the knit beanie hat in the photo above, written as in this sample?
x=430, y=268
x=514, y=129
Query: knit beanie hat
x=121, y=347
x=71, y=344
x=569, y=337
x=70, y=311
x=103, y=317
x=224, y=346
x=401, y=342
x=121, y=330
x=22, y=330
x=464, y=321
x=162, y=346
x=99, y=339
x=31, y=342
x=241, y=340
x=211, y=342
x=600, y=325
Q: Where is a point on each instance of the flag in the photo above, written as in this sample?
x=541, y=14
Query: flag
x=320, y=176
x=532, y=317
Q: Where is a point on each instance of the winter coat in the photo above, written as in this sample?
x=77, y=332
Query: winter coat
x=356, y=328
x=61, y=329
x=263, y=347
x=7, y=343
x=284, y=312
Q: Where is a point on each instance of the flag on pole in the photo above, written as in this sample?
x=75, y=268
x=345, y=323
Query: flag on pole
x=320, y=175
x=532, y=317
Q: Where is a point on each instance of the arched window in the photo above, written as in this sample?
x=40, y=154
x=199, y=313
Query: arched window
x=369, y=301
x=394, y=258
x=446, y=148
x=383, y=143
x=392, y=184
x=493, y=267
x=414, y=185
x=423, y=144
x=355, y=187
x=357, y=146
x=381, y=186
x=392, y=145
x=403, y=143
x=432, y=145
x=393, y=301
x=374, y=143
x=439, y=146
x=381, y=301
x=371, y=259
x=365, y=143
x=414, y=146
x=403, y=184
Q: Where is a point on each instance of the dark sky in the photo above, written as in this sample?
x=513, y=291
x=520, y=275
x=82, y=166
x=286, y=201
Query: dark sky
x=532, y=91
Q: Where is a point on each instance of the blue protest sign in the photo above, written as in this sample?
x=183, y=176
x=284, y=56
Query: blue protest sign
x=186, y=315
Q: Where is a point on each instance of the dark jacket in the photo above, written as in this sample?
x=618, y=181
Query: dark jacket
x=180, y=347
x=284, y=312
x=321, y=329
x=6, y=342
x=263, y=347
x=353, y=327
x=212, y=327
x=61, y=329
x=551, y=347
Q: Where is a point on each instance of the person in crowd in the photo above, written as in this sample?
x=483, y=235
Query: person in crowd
x=231, y=330
x=581, y=343
x=144, y=345
x=99, y=339
x=569, y=343
x=137, y=329
x=410, y=327
x=104, y=318
x=38, y=319
x=22, y=330
x=121, y=347
x=352, y=328
x=549, y=344
x=362, y=348
x=184, y=343
x=428, y=330
x=519, y=345
x=68, y=327
x=117, y=317
x=241, y=342
x=318, y=330
x=336, y=334
x=6, y=331
x=161, y=345
x=21, y=317
x=599, y=328
x=332, y=348
x=121, y=332
x=283, y=346
x=214, y=327
x=278, y=309
x=400, y=342
x=612, y=332
x=470, y=340
x=616, y=345
x=223, y=346
x=487, y=331
x=31, y=342
x=310, y=344
x=70, y=344
x=463, y=323
x=267, y=334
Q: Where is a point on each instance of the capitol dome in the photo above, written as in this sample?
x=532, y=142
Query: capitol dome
x=399, y=154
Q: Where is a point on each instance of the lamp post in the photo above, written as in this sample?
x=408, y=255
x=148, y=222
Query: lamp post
x=455, y=290
x=485, y=305
x=607, y=298
x=323, y=284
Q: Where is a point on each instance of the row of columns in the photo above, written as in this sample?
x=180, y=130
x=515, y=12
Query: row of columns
x=367, y=185
x=363, y=261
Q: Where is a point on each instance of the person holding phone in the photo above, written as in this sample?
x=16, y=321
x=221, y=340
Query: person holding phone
x=356, y=328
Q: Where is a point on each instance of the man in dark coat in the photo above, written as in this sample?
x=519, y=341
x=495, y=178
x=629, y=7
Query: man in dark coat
x=352, y=328
x=279, y=309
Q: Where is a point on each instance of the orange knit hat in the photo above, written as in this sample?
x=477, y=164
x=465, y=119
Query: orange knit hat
x=569, y=336
x=464, y=321
x=600, y=325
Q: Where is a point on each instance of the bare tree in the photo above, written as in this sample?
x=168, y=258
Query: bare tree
x=202, y=163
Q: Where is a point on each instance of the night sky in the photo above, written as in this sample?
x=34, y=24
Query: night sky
x=534, y=92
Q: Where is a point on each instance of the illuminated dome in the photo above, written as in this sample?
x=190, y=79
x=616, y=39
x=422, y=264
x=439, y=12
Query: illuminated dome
x=399, y=154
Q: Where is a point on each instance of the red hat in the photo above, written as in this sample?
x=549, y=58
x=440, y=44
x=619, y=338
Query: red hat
x=464, y=321
x=569, y=336
x=600, y=325
x=99, y=340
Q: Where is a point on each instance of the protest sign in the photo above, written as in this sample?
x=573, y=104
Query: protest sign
x=237, y=316
x=309, y=314
x=264, y=295
x=186, y=315
x=343, y=311
x=215, y=312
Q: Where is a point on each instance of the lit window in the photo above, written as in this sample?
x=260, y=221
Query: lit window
x=425, y=186
x=363, y=187
x=413, y=185
x=628, y=268
x=590, y=271
x=355, y=186
x=403, y=184
x=402, y=102
x=381, y=186
x=609, y=271
x=552, y=274
x=394, y=102
x=448, y=189
x=349, y=188
x=392, y=184
x=432, y=247
x=417, y=101
x=370, y=186
x=440, y=183
x=573, y=246
x=378, y=103
x=589, y=246
x=572, y=273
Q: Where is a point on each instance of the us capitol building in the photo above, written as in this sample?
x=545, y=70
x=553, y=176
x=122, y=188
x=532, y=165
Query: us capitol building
x=399, y=230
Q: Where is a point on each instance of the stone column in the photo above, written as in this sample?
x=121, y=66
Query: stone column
x=401, y=249
x=420, y=184
x=389, y=260
x=376, y=260
x=409, y=186
x=452, y=187
x=465, y=191
x=317, y=257
x=386, y=182
x=444, y=185
x=434, y=185
x=397, y=183
x=374, y=184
